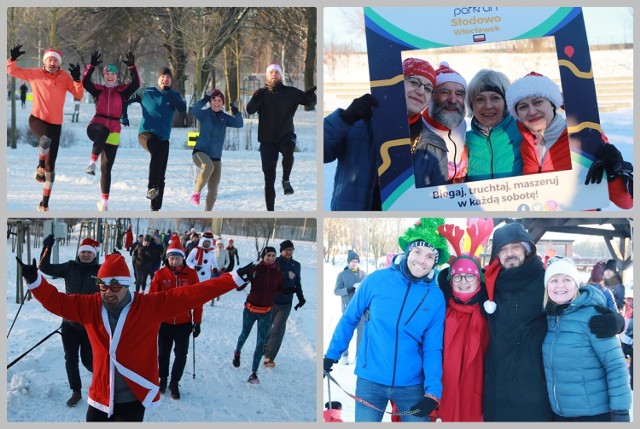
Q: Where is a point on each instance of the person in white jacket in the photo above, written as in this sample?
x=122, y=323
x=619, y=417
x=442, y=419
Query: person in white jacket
x=203, y=259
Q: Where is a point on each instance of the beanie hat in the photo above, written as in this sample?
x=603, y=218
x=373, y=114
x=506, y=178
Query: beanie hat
x=217, y=93
x=165, y=71
x=52, y=53
x=351, y=255
x=597, y=273
x=445, y=74
x=465, y=265
x=532, y=85
x=417, y=67
x=273, y=66
x=89, y=245
x=267, y=250
x=175, y=248
x=286, y=244
x=512, y=233
x=425, y=233
x=111, y=68
x=115, y=267
x=564, y=266
x=612, y=265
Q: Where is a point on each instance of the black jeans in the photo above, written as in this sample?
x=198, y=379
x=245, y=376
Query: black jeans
x=178, y=337
x=159, y=150
x=269, y=153
x=74, y=341
x=122, y=412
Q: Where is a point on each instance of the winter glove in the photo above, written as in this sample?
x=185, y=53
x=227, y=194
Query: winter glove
x=425, y=406
x=620, y=416
x=215, y=272
x=29, y=272
x=351, y=290
x=74, y=71
x=130, y=60
x=328, y=364
x=234, y=108
x=15, y=52
x=95, y=58
x=125, y=120
x=609, y=160
x=49, y=241
x=207, y=96
x=196, y=330
x=606, y=325
x=301, y=302
x=246, y=271
x=360, y=108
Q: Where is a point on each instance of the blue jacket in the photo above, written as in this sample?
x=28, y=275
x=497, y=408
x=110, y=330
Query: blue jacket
x=352, y=146
x=158, y=108
x=290, y=286
x=585, y=375
x=213, y=128
x=404, y=324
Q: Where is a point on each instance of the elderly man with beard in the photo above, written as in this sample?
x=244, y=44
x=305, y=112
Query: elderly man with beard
x=515, y=385
x=445, y=117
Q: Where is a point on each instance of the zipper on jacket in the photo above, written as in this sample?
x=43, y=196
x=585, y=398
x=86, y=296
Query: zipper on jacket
x=491, y=154
x=418, y=307
x=553, y=372
x=395, y=351
x=455, y=156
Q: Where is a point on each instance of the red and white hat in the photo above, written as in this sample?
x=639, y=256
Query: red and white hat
x=445, y=74
x=89, y=245
x=115, y=267
x=418, y=67
x=175, y=248
x=533, y=85
x=52, y=53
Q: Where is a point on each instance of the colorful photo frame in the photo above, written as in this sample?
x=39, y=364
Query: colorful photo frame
x=391, y=31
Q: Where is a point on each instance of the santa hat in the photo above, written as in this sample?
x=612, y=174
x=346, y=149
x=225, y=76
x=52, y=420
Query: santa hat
x=561, y=266
x=89, y=245
x=115, y=267
x=532, y=85
x=446, y=74
x=175, y=248
x=52, y=53
x=417, y=67
x=217, y=93
x=273, y=67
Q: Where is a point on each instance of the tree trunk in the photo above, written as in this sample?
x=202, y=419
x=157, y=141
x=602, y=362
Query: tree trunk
x=310, y=52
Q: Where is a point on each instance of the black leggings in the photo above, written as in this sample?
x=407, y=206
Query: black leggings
x=159, y=150
x=98, y=134
x=41, y=128
x=122, y=412
x=75, y=341
x=269, y=157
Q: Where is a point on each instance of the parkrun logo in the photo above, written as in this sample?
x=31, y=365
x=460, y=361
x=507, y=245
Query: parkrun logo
x=470, y=10
x=476, y=26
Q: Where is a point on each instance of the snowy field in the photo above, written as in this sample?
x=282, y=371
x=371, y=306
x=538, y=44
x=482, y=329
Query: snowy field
x=241, y=186
x=37, y=387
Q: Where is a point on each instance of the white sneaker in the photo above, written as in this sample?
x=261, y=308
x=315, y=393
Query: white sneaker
x=91, y=169
x=102, y=207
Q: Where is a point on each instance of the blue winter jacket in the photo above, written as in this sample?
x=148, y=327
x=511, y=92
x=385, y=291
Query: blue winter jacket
x=290, y=286
x=158, y=108
x=404, y=324
x=352, y=146
x=213, y=128
x=585, y=375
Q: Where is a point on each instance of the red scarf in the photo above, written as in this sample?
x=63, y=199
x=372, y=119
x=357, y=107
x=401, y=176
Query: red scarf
x=466, y=337
x=200, y=254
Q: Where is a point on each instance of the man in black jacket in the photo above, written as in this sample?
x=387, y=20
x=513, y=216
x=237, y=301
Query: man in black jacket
x=276, y=104
x=78, y=279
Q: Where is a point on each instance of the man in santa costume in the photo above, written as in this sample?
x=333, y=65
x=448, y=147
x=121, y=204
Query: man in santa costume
x=123, y=329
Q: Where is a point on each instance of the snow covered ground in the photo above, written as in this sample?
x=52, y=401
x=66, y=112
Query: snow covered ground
x=37, y=387
x=241, y=186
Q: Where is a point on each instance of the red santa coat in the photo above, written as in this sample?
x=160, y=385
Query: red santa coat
x=166, y=279
x=132, y=348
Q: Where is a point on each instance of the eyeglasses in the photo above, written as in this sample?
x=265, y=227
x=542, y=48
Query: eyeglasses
x=114, y=285
x=415, y=84
x=467, y=278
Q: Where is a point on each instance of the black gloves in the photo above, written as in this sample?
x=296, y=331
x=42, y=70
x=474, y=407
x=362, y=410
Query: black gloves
x=425, y=405
x=124, y=120
x=74, y=71
x=95, y=58
x=49, y=241
x=360, y=108
x=130, y=60
x=328, y=364
x=351, y=290
x=15, y=52
x=215, y=272
x=607, y=324
x=610, y=161
x=620, y=416
x=207, y=96
x=29, y=272
x=301, y=302
x=246, y=271
x=196, y=330
x=234, y=108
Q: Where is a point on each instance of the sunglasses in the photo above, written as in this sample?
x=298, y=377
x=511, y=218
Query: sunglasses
x=113, y=284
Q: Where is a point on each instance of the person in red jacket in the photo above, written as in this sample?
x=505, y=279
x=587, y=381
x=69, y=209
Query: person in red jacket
x=175, y=331
x=123, y=330
x=104, y=127
x=49, y=85
x=266, y=281
x=533, y=100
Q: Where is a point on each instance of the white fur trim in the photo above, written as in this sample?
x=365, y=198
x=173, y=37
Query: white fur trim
x=446, y=74
x=87, y=248
x=532, y=86
x=490, y=306
x=123, y=280
x=36, y=283
x=54, y=54
x=174, y=251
